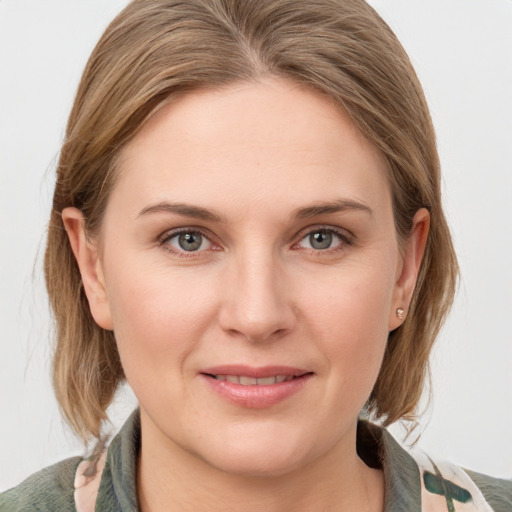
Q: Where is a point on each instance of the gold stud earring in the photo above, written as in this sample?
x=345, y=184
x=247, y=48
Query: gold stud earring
x=400, y=313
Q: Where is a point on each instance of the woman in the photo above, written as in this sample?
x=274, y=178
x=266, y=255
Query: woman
x=247, y=227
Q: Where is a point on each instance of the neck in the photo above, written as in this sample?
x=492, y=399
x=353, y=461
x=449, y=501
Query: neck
x=174, y=478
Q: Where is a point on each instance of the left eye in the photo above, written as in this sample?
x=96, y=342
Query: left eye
x=321, y=239
x=189, y=241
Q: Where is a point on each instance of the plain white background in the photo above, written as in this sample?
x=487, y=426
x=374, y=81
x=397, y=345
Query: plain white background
x=462, y=51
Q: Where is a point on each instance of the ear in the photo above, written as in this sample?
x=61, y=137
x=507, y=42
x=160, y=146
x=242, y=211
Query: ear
x=87, y=256
x=407, y=272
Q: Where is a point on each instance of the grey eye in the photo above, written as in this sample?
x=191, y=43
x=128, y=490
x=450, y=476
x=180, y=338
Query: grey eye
x=321, y=239
x=189, y=241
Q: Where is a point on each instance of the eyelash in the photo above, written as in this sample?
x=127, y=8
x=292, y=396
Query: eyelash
x=168, y=236
x=346, y=239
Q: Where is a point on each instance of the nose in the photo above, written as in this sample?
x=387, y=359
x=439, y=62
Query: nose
x=256, y=301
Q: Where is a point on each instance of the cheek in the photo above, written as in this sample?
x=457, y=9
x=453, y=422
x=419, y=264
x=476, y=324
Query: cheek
x=158, y=318
x=348, y=315
x=350, y=300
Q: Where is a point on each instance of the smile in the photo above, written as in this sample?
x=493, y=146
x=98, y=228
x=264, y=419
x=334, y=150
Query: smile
x=244, y=380
x=255, y=388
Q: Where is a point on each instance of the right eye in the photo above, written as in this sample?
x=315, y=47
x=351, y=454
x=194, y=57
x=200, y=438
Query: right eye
x=187, y=241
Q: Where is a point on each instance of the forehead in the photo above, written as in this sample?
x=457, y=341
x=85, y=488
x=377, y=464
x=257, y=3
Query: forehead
x=257, y=140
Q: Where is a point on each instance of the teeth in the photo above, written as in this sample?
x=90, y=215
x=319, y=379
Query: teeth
x=251, y=381
x=266, y=381
x=248, y=381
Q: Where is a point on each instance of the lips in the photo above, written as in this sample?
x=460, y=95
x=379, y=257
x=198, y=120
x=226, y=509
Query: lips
x=259, y=372
x=255, y=388
x=252, y=381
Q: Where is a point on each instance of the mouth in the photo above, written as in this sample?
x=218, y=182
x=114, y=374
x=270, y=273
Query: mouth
x=256, y=388
x=245, y=380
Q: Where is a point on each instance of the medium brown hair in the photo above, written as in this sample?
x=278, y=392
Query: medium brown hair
x=155, y=50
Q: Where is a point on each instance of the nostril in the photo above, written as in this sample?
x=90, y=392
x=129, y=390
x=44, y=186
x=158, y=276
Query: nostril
x=256, y=318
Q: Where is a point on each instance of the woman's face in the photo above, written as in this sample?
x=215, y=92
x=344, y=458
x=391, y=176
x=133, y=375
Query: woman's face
x=250, y=271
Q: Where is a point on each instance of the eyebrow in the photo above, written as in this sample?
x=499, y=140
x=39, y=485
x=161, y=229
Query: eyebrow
x=197, y=212
x=187, y=210
x=336, y=206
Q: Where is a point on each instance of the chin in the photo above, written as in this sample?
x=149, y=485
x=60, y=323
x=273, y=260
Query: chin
x=257, y=466
x=258, y=456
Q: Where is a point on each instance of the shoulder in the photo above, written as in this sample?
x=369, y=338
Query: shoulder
x=53, y=488
x=415, y=481
x=50, y=489
x=444, y=486
x=497, y=491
